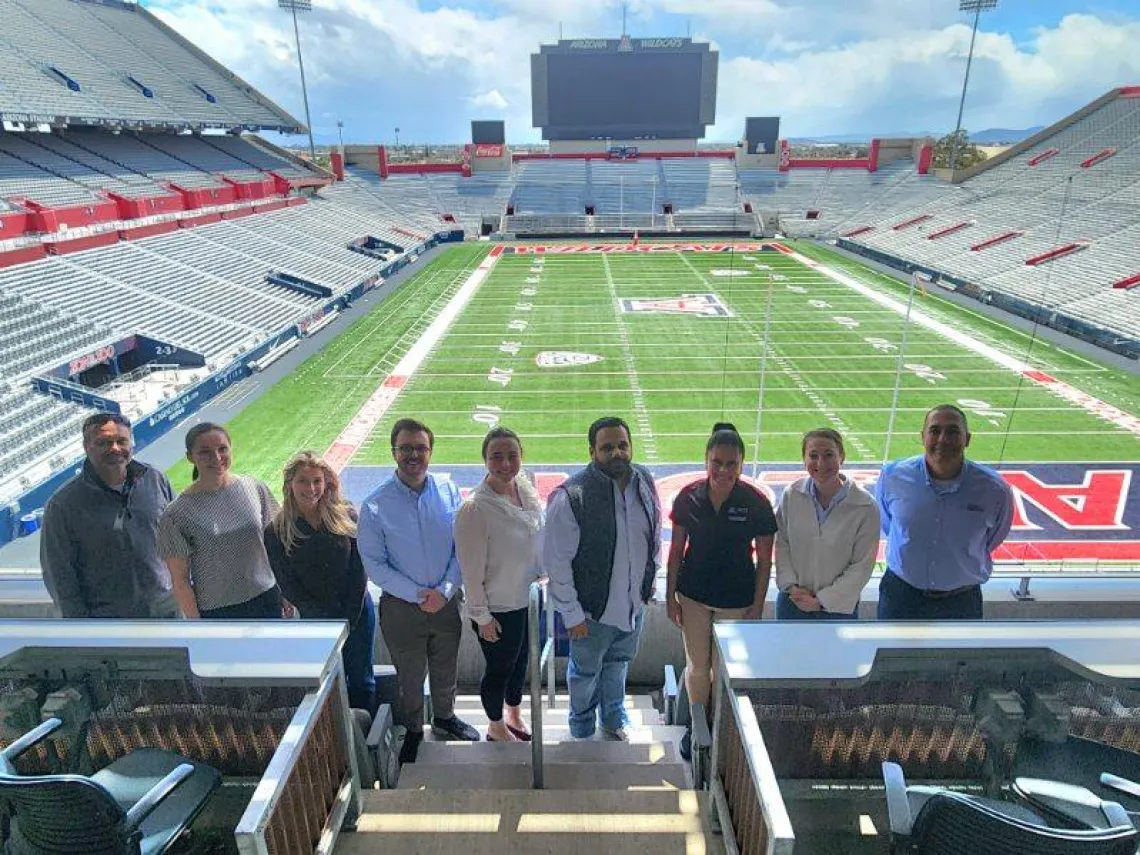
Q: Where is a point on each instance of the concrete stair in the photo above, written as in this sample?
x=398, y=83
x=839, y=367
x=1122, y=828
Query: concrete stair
x=532, y=822
x=599, y=796
x=578, y=775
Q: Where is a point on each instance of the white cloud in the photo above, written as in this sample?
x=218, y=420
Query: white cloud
x=825, y=66
x=493, y=100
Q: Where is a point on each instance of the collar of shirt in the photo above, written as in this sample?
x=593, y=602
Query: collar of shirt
x=940, y=485
x=839, y=496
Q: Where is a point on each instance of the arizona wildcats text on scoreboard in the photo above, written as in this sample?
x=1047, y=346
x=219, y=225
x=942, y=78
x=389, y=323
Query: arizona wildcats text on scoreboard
x=624, y=89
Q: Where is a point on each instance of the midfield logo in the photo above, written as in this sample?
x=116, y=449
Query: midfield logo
x=703, y=305
x=564, y=359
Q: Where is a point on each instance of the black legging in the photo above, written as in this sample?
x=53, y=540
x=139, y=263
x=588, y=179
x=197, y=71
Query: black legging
x=506, y=664
x=265, y=605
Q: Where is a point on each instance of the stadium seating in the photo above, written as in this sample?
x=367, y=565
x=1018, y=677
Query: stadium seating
x=140, y=154
x=1047, y=196
x=115, y=63
x=550, y=187
x=700, y=184
x=631, y=187
x=23, y=178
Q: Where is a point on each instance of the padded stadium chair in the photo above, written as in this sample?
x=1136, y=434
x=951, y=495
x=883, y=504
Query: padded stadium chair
x=139, y=805
x=933, y=821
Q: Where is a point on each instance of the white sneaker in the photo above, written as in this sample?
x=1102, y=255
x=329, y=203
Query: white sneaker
x=615, y=735
x=589, y=738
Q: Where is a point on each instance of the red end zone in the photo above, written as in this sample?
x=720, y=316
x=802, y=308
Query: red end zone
x=1063, y=512
x=582, y=248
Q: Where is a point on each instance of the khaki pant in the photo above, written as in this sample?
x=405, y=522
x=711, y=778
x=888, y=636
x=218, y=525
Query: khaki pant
x=422, y=645
x=696, y=630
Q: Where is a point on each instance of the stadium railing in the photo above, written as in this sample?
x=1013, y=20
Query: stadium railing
x=541, y=661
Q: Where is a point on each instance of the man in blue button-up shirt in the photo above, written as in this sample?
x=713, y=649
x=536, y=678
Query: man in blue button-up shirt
x=943, y=516
x=405, y=540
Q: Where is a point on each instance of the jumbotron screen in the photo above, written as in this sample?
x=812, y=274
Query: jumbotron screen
x=627, y=89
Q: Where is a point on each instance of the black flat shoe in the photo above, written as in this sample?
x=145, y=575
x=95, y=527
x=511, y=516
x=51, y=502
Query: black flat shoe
x=522, y=735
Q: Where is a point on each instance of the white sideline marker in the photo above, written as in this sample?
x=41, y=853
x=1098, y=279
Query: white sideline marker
x=1101, y=409
x=362, y=424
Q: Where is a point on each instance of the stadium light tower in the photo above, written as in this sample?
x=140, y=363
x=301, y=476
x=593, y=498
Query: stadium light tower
x=977, y=7
x=296, y=6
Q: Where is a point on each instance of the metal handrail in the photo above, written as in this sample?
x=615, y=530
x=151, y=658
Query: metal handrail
x=539, y=661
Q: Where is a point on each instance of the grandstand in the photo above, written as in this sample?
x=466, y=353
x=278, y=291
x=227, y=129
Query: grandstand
x=122, y=171
x=115, y=64
x=154, y=255
x=1050, y=224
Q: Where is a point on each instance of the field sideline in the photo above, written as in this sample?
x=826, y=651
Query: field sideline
x=547, y=343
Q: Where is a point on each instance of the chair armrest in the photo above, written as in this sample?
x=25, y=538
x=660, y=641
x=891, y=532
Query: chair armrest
x=898, y=804
x=1123, y=785
x=1074, y=803
x=31, y=738
x=154, y=796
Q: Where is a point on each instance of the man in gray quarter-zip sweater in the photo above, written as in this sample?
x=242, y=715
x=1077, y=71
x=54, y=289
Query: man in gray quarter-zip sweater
x=98, y=547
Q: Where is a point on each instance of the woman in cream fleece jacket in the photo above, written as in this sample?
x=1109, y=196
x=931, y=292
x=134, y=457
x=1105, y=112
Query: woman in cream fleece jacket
x=828, y=539
x=497, y=532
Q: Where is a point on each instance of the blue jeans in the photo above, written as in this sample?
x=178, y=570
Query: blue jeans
x=358, y=655
x=788, y=610
x=596, y=675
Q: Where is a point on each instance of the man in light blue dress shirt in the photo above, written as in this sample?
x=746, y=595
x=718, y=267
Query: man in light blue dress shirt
x=943, y=516
x=406, y=543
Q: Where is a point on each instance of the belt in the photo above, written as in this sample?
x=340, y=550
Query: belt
x=943, y=595
x=931, y=594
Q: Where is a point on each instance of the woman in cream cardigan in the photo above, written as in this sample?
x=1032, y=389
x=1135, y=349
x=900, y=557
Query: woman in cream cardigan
x=828, y=539
x=496, y=540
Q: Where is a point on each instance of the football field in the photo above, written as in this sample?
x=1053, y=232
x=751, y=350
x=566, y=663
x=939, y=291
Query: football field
x=676, y=341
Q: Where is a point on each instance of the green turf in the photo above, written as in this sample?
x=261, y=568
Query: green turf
x=672, y=376
x=309, y=408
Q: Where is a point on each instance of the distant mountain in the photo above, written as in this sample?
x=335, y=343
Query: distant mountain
x=990, y=136
x=997, y=136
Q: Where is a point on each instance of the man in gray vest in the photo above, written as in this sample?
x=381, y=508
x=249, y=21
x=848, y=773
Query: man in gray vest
x=601, y=551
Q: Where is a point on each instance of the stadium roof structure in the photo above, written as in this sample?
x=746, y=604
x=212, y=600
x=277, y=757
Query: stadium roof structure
x=114, y=64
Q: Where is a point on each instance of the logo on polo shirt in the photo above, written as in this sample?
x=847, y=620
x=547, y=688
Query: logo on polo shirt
x=702, y=305
x=564, y=358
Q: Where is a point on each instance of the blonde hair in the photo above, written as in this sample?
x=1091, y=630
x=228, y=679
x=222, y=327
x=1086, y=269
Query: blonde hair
x=337, y=516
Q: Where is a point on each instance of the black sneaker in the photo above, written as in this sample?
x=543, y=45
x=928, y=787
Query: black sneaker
x=411, y=747
x=686, y=747
x=454, y=729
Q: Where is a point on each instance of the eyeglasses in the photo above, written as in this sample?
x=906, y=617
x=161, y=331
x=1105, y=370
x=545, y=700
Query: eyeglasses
x=408, y=450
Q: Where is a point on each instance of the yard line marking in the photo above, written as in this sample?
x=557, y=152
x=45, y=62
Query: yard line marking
x=362, y=424
x=1101, y=409
x=795, y=375
x=641, y=412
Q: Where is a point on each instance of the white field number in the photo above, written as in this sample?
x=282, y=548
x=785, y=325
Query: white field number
x=980, y=408
x=924, y=371
x=819, y=304
x=486, y=415
x=845, y=321
x=502, y=376
x=880, y=344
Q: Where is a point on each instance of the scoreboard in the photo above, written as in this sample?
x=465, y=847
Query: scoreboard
x=624, y=89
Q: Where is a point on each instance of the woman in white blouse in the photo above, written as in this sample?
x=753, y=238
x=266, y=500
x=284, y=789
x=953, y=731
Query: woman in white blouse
x=828, y=539
x=496, y=539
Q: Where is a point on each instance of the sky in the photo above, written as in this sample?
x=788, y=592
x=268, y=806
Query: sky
x=874, y=67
